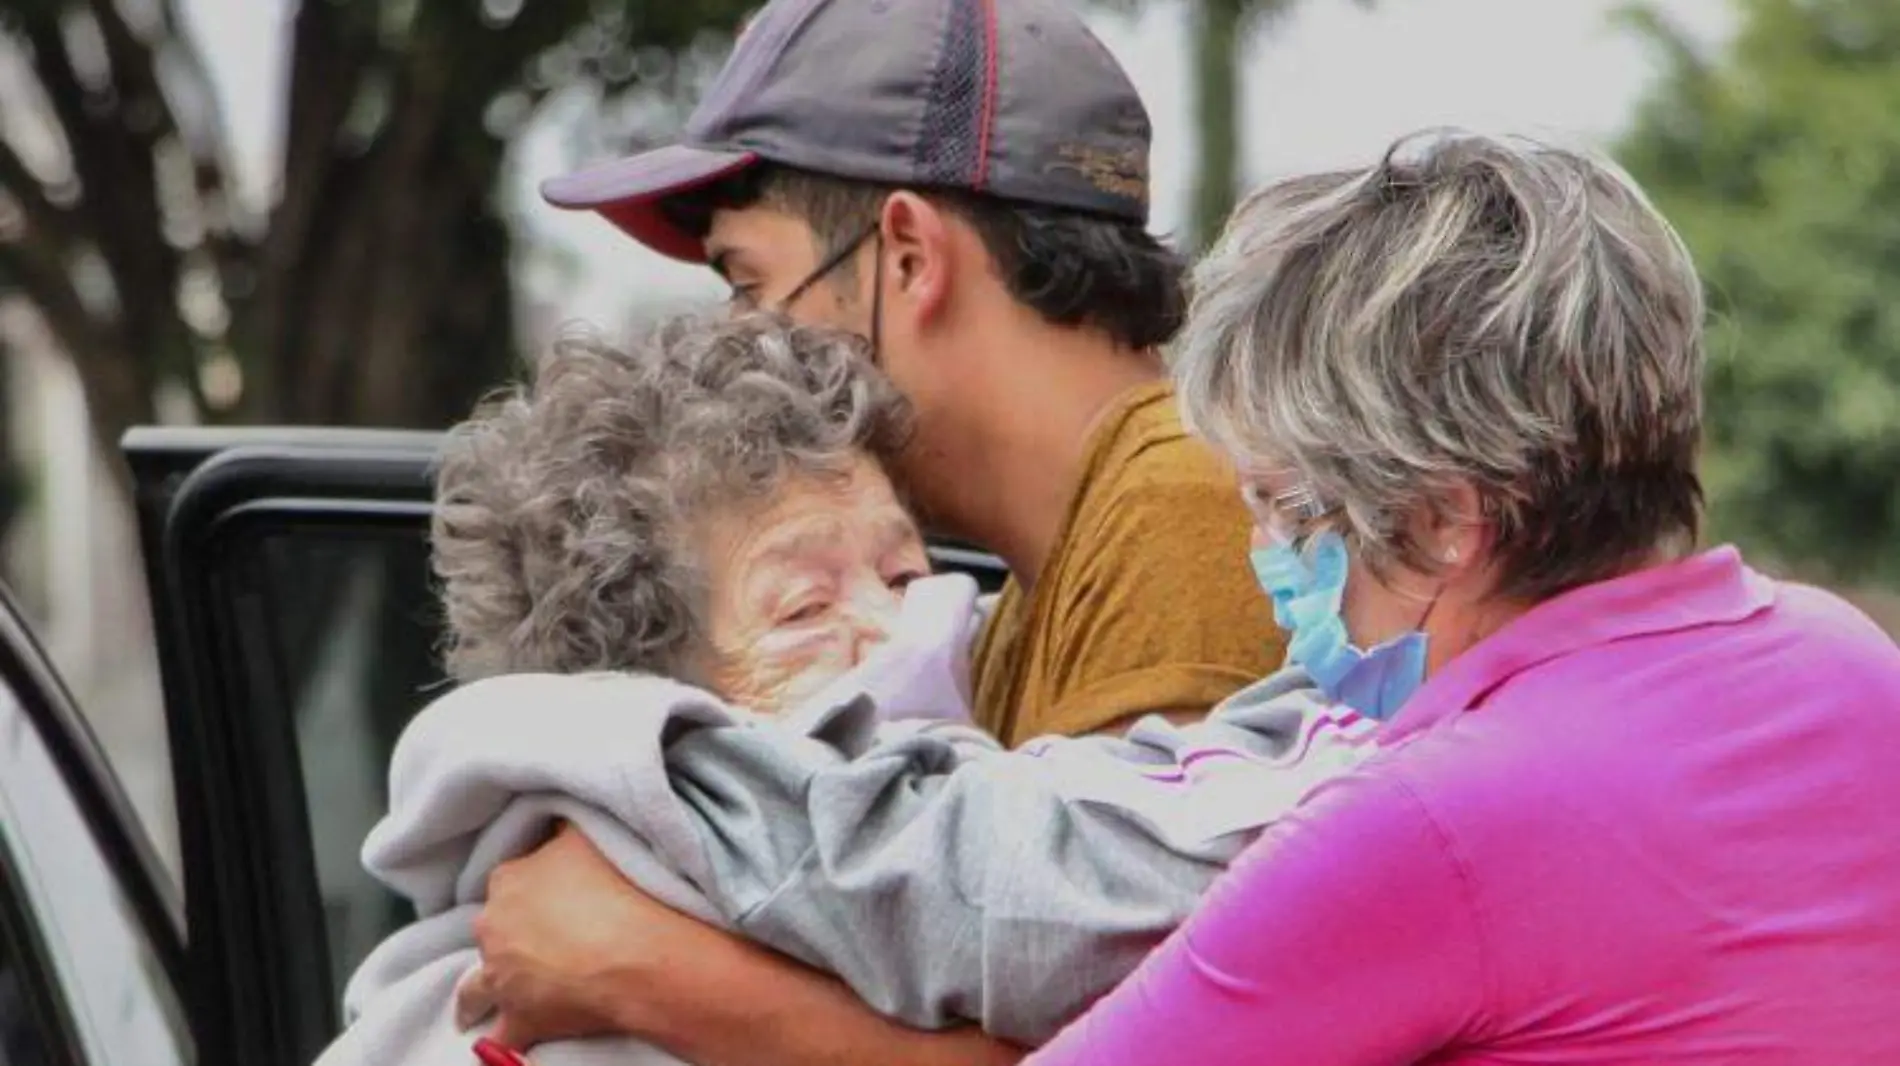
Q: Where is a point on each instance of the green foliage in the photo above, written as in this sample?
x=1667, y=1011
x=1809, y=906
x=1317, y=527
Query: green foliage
x=1779, y=161
x=1220, y=36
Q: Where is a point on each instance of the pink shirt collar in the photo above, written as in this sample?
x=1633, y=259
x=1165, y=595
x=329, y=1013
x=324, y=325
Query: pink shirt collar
x=1711, y=588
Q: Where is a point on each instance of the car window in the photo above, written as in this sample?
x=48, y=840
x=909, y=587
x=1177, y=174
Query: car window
x=79, y=981
x=349, y=618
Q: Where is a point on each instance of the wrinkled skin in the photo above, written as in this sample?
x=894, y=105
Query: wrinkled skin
x=806, y=585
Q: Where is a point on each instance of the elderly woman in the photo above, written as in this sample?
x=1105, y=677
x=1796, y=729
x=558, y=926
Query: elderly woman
x=691, y=532
x=710, y=506
x=1635, y=802
x=640, y=551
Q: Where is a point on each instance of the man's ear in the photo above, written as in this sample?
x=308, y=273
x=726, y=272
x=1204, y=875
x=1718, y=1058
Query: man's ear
x=918, y=251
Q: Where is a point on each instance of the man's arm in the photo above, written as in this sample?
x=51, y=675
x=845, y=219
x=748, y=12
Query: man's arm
x=1012, y=892
x=571, y=950
x=765, y=1010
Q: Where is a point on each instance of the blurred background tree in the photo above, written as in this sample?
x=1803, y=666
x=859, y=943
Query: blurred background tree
x=374, y=284
x=374, y=287
x=1779, y=160
x=1222, y=33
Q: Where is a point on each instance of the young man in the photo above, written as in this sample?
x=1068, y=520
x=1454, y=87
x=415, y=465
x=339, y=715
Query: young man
x=965, y=183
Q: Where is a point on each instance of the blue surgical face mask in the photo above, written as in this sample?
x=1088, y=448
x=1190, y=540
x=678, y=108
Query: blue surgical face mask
x=1306, y=587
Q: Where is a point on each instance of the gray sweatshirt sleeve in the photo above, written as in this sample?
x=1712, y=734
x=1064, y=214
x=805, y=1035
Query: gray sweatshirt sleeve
x=947, y=881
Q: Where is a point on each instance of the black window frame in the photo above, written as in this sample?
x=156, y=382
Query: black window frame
x=260, y=988
x=28, y=673
x=45, y=998
x=139, y=877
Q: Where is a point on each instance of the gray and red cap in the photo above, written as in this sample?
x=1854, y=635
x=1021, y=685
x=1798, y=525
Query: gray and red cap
x=1014, y=99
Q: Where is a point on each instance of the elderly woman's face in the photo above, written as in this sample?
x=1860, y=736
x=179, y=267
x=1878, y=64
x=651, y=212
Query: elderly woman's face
x=804, y=586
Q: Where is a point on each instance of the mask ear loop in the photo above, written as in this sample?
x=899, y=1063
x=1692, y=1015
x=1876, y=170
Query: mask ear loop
x=1450, y=558
x=1430, y=606
x=833, y=260
x=877, y=296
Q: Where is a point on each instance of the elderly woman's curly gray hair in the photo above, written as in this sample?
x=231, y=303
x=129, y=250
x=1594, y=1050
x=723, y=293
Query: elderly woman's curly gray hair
x=566, y=507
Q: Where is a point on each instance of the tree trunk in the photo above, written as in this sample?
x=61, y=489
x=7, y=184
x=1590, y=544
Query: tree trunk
x=405, y=302
x=377, y=289
x=1218, y=43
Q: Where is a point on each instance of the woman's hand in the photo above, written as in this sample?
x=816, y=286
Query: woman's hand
x=569, y=947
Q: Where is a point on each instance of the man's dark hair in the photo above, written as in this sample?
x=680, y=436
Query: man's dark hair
x=1071, y=267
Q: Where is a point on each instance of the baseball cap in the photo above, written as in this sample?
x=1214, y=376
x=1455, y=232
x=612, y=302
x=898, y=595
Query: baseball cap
x=1014, y=99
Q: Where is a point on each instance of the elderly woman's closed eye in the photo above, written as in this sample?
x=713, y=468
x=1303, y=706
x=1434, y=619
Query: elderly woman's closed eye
x=806, y=585
x=709, y=505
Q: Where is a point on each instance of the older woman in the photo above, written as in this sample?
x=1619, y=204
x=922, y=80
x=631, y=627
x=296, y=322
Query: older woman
x=709, y=505
x=1635, y=802
x=635, y=545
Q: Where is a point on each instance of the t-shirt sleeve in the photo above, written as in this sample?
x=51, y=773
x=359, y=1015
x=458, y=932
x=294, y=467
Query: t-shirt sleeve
x=1345, y=936
x=1160, y=610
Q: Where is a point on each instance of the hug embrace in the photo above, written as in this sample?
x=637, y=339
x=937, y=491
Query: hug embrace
x=1362, y=691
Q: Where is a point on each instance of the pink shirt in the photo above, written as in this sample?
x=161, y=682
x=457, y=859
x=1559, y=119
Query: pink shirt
x=1653, y=820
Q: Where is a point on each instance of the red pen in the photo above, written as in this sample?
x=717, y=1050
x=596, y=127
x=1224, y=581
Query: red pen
x=493, y=1054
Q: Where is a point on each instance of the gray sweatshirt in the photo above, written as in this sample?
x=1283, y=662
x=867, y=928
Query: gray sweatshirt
x=944, y=879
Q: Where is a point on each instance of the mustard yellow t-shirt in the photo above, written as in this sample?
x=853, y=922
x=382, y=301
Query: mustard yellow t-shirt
x=1146, y=602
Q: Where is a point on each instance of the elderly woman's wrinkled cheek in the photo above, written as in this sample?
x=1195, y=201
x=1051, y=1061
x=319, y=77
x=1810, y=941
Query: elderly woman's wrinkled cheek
x=782, y=667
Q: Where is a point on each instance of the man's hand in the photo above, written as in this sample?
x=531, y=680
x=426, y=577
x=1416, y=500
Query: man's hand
x=567, y=946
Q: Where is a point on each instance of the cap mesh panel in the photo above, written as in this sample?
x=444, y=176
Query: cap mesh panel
x=949, y=140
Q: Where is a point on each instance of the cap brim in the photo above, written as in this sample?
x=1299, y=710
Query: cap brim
x=628, y=192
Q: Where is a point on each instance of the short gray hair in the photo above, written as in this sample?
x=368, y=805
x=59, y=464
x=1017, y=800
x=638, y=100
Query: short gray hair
x=565, y=507
x=1498, y=313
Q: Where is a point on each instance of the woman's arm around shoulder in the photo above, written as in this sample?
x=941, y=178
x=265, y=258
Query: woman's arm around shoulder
x=1345, y=935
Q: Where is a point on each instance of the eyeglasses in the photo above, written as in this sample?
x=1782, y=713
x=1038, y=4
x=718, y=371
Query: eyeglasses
x=829, y=263
x=1287, y=515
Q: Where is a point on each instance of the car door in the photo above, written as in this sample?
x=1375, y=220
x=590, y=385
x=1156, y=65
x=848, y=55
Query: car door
x=296, y=634
x=91, y=949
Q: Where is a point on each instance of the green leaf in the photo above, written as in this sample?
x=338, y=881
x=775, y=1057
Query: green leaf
x=1779, y=162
